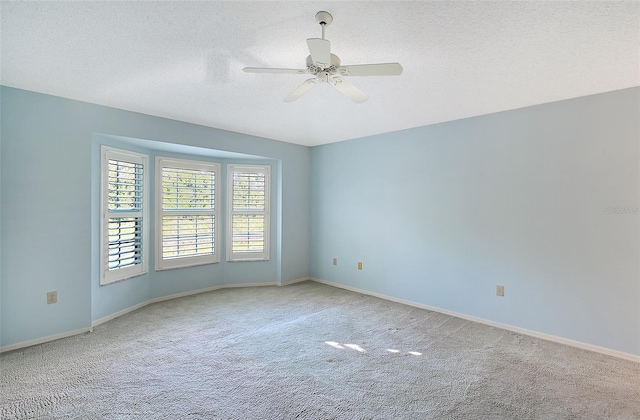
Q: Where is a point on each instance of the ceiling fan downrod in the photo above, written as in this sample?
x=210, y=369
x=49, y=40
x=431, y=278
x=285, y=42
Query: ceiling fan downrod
x=324, y=19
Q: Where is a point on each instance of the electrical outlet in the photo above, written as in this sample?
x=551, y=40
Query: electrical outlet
x=52, y=297
x=499, y=290
x=335, y=261
x=359, y=265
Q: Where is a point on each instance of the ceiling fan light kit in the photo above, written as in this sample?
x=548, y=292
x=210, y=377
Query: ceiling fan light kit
x=327, y=68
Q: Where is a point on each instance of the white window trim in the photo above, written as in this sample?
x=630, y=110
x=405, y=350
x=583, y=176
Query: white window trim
x=169, y=264
x=111, y=276
x=245, y=256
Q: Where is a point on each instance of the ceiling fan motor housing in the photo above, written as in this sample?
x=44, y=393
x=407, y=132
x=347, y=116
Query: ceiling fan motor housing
x=335, y=63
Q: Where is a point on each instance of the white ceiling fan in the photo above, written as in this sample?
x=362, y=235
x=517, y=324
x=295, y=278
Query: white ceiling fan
x=326, y=68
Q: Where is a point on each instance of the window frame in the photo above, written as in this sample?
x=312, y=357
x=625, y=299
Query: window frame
x=248, y=256
x=112, y=276
x=188, y=261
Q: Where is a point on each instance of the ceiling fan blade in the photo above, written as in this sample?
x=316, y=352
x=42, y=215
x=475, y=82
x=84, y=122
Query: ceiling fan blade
x=347, y=89
x=320, y=50
x=301, y=90
x=386, y=69
x=269, y=70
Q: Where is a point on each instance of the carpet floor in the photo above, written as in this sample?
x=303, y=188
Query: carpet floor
x=309, y=351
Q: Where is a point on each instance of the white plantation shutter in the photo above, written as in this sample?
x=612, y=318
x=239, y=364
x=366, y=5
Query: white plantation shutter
x=186, y=213
x=123, y=215
x=248, y=232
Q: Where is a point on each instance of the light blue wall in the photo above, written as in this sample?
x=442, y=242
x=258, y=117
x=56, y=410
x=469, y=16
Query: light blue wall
x=440, y=215
x=49, y=142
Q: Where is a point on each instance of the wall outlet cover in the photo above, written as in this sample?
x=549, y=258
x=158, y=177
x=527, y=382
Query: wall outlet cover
x=52, y=297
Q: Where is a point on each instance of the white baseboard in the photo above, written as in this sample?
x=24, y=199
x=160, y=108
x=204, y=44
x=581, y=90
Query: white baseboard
x=118, y=314
x=531, y=333
x=207, y=289
x=294, y=281
x=557, y=339
x=175, y=296
x=42, y=340
x=125, y=311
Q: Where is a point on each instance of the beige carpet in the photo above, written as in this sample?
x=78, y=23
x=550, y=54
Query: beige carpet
x=309, y=351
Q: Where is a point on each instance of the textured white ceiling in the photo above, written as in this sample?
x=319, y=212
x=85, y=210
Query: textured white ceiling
x=183, y=60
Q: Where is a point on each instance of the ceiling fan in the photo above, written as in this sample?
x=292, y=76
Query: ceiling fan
x=326, y=68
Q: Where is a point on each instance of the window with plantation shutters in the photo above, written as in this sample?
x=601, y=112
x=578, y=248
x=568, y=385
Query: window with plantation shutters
x=124, y=221
x=248, y=217
x=186, y=213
